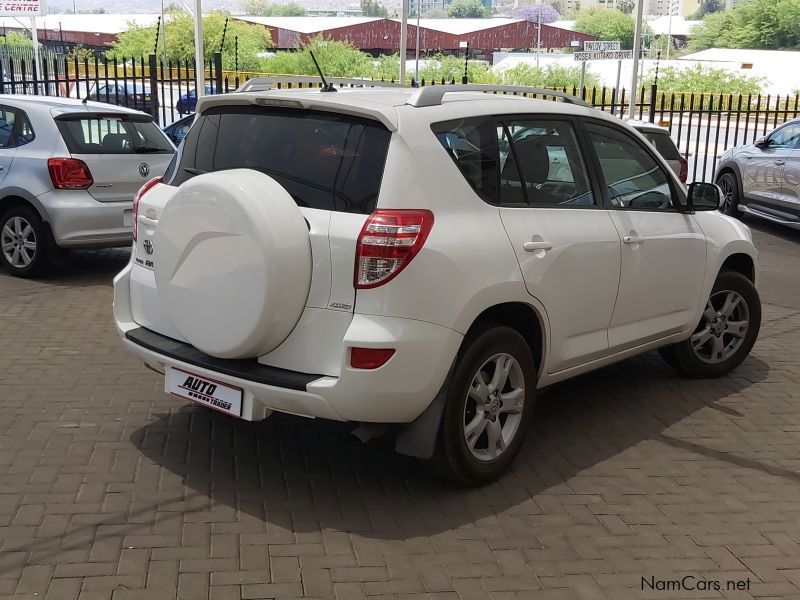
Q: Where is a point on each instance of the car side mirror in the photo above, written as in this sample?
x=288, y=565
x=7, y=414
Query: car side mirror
x=704, y=196
x=762, y=142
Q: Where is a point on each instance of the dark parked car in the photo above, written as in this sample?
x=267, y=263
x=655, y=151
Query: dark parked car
x=178, y=130
x=131, y=93
x=187, y=102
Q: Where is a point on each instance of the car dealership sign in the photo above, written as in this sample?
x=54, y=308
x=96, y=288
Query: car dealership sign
x=21, y=8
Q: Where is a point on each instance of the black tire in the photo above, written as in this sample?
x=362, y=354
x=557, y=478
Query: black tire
x=453, y=458
x=35, y=259
x=690, y=362
x=729, y=184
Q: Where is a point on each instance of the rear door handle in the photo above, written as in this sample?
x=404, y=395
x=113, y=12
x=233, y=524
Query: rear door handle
x=780, y=162
x=633, y=239
x=535, y=246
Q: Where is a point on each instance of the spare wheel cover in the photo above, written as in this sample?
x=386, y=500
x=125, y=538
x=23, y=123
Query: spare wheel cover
x=233, y=263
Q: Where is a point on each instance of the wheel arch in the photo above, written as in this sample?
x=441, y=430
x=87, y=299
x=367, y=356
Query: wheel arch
x=740, y=262
x=19, y=197
x=732, y=167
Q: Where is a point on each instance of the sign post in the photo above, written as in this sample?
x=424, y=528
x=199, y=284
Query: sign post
x=29, y=9
x=608, y=50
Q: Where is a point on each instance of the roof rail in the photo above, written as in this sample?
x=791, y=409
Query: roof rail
x=432, y=95
x=260, y=84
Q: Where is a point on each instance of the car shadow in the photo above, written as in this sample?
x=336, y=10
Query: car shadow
x=82, y=268
x=306, y=475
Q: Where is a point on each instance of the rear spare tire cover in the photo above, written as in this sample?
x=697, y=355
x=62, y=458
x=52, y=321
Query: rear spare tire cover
x=233, y=263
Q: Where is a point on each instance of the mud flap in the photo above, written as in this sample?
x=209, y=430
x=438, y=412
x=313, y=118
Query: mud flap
x=418, y=438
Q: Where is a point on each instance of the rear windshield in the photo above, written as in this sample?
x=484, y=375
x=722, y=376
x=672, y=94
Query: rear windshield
x=324, y=160
x=663, y=143
x=112, y=134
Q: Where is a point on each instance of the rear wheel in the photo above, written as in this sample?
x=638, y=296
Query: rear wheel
x=489, y=407
x=730, y=193
x=726, y=332
x=23, y=241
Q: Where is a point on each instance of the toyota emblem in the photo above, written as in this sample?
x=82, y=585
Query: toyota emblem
x=144, y=169
x=148, y=247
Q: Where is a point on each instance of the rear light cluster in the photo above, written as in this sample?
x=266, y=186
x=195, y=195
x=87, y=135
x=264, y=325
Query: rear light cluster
x=387, y=243
x=684, y=174
x=69, y=174
x=137, y=198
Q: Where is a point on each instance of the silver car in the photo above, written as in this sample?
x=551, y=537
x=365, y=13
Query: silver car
x=68, y=173
x=763, y=178
x=660, y=139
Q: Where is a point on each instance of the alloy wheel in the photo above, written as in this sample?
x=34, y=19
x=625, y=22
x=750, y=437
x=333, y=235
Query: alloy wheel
x=493, y=409
x=726, y=185
x=722, y=328
x=18, y=242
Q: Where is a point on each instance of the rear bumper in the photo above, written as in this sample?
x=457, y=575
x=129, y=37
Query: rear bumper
x=397, y=392
x=80, y=221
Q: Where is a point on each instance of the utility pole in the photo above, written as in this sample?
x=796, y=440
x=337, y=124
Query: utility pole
x=539, y=36
x=199, y=67
x=403, y=42
x=637, y=49
x=416, y=63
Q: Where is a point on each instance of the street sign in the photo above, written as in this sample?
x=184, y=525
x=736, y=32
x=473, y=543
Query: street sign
x=21, y=8
x=609, y=55
x=601, y=46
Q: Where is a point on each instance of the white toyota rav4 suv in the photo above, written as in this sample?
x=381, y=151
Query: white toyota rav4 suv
x=425, y=258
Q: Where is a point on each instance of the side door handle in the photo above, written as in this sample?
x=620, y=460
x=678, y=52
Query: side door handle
x=633, y=239
x=536, y=246
x=148, y=221
x=780, y=162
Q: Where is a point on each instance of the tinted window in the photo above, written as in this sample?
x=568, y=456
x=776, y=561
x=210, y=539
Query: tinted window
x=633, y=177
x=541, y=165
x=786, y=137
x=111, y=134
x=663, y=144
x=472, y=144
x=15, y=128
x=325, y=161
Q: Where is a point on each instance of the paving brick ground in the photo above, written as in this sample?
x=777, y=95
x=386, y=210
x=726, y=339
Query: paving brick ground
x=110, y=489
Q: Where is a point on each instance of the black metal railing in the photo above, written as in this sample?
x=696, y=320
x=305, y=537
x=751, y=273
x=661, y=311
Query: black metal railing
x=703, y=125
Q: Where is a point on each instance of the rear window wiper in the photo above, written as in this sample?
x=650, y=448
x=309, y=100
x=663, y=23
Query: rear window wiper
x=193, y=171
x=149, y=150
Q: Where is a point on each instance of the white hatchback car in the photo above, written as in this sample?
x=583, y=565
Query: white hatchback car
x=425, y=258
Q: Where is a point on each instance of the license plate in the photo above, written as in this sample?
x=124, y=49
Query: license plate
x=205, y=391
x=127, y=218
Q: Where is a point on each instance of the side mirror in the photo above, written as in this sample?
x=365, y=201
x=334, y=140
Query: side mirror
x=704, y=196
x=762, y=142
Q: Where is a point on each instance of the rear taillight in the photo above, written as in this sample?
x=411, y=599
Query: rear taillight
x=69, y=174
x=369, y=358
x=684, y=174
x=387, y=243
x=137, y=198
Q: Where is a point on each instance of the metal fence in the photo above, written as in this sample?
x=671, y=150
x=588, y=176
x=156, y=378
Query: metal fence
x=703, y=125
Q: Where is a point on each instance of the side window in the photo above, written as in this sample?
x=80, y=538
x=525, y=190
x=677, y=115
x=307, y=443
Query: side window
x=15, y=128
x=7, y=118
x=786, y=137
x=541, y=165
x=633, y=177
x=472, y=144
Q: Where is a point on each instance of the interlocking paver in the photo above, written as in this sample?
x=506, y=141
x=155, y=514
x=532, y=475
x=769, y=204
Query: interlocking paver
x=111, y=490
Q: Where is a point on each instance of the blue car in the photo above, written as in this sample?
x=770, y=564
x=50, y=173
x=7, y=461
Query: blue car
x=187, y=102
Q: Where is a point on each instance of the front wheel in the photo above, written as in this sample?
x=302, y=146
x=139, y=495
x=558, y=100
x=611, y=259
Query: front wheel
x=730, y=194
x=489, y=406
x=727, y=330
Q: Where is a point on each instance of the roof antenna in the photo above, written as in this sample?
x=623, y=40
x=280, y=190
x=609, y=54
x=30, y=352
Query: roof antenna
x=326, y=87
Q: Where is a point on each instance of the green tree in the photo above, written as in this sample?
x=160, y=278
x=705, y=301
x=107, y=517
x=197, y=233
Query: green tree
x=261, y=8
x=16, y=39
x=765, y=24
x=607, y=24
x=179, y=33
x=373, y=8
x=467, y=9
x=700, y=78
x=551, y=76
x=708, y=7
x=336, y=59
x=451, y=68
